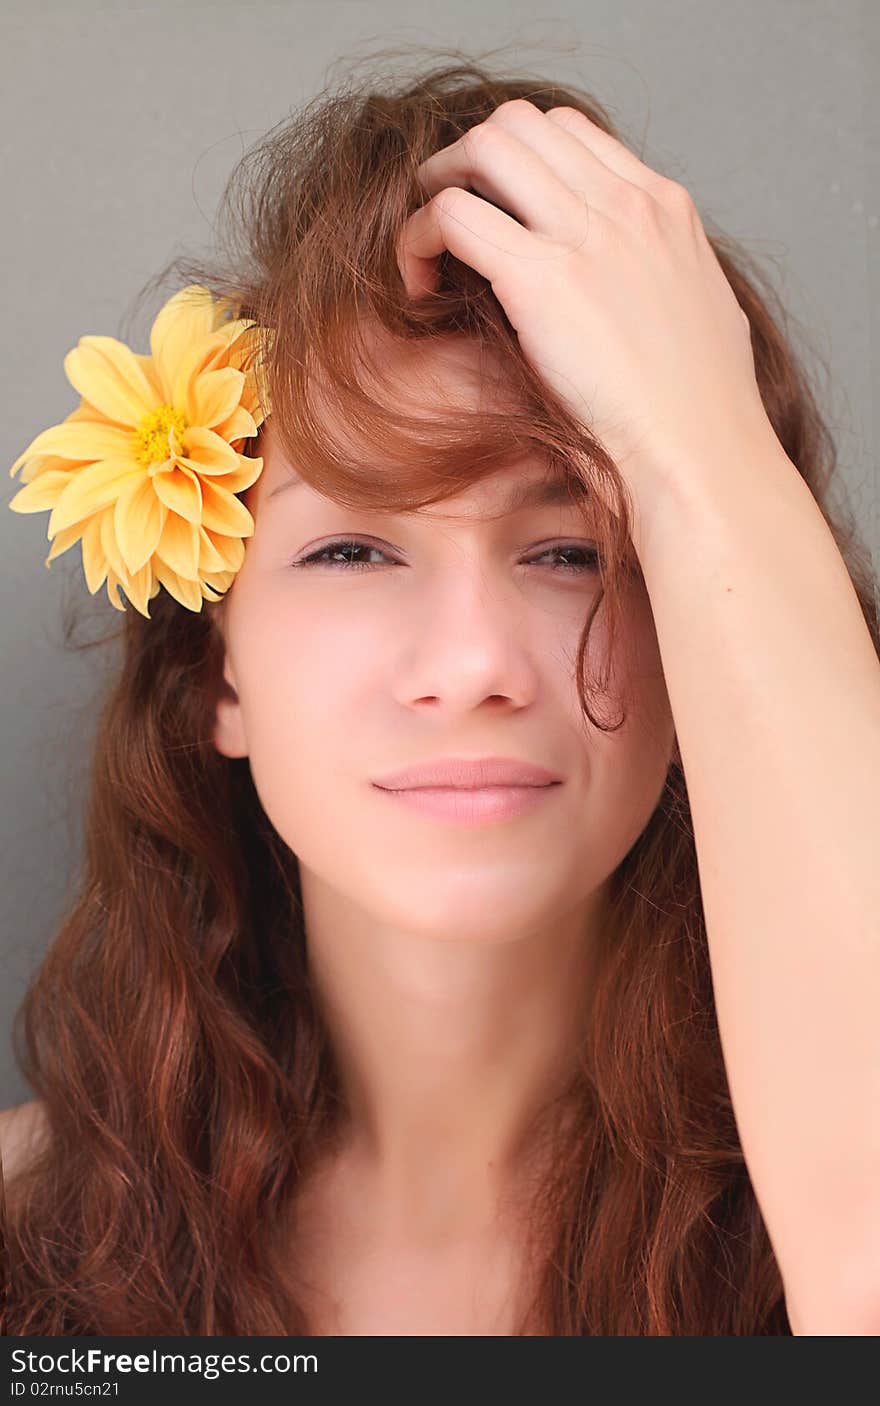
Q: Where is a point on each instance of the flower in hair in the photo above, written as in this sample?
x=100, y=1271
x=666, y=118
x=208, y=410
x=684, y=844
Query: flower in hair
x=146, y=469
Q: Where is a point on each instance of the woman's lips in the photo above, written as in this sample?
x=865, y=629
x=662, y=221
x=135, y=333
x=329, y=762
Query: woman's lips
x=472, y=806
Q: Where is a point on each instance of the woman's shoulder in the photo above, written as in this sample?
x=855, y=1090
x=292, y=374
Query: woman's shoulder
x=20, y=1127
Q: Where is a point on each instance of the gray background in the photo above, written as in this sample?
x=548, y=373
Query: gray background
x=121, y=124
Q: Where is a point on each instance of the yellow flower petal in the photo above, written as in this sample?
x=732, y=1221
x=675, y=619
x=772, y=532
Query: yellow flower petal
x=213, y=396
x=223, y=512
x=42, y=492
x=85, y=411
x=260, y=406
x=237, y=342
x=63, y=541
x=201, y=359
x=248, y=342
x=234, y=330
x=206, y=453
x=178, y=546
x=138, y=519
x=210, y=558
x=240, y=425
x=80, y=439
x=39, y=463
x=94, y=560
x=91, y=489
x=113, y=584
x=178, y=331
x=235, y=345
x=107, y=373
x=248, y=472
x=187, y=592
x=149, y=370
x=219, y=583
x=138, y=586
x=110, y=547
x=42, y=463
x=230, y=550
x=180, y=490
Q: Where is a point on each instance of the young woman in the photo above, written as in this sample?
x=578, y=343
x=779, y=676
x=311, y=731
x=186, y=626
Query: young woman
x=478, y=927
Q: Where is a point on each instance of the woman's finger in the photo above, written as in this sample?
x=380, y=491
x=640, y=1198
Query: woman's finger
x=567, y=154
x=506, y=164
x=544, y=170
x=612, y=153
x=470, y=228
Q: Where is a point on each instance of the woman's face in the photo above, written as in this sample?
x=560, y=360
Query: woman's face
x=458, y=638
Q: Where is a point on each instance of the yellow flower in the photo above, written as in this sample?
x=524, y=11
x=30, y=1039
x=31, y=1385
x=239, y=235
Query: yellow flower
x=146, y=469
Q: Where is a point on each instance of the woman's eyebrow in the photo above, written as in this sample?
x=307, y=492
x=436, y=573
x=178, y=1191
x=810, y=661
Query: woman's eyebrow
x=293, y=481
x=540, y=493
x=537, y=493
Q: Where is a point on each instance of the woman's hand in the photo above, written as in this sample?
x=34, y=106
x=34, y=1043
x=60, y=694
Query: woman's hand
x=606, y=273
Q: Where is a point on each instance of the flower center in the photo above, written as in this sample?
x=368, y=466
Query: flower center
x=158, y=435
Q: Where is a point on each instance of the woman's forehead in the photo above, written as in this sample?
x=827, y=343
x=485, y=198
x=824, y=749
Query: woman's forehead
x=451, y=372
x=448, y=368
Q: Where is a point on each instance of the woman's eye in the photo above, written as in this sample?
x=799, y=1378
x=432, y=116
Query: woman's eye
x=589, y=558
x=348, y=548
x=334, y=548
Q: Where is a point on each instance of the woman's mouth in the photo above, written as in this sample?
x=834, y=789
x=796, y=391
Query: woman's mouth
x=472, y=805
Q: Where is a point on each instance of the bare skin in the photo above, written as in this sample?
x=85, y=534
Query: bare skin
x=454, y=974
x=360, y=1274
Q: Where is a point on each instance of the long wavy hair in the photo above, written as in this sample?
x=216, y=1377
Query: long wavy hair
x=187, y=1079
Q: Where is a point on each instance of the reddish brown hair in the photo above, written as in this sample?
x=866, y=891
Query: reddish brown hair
x=170, y=1032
